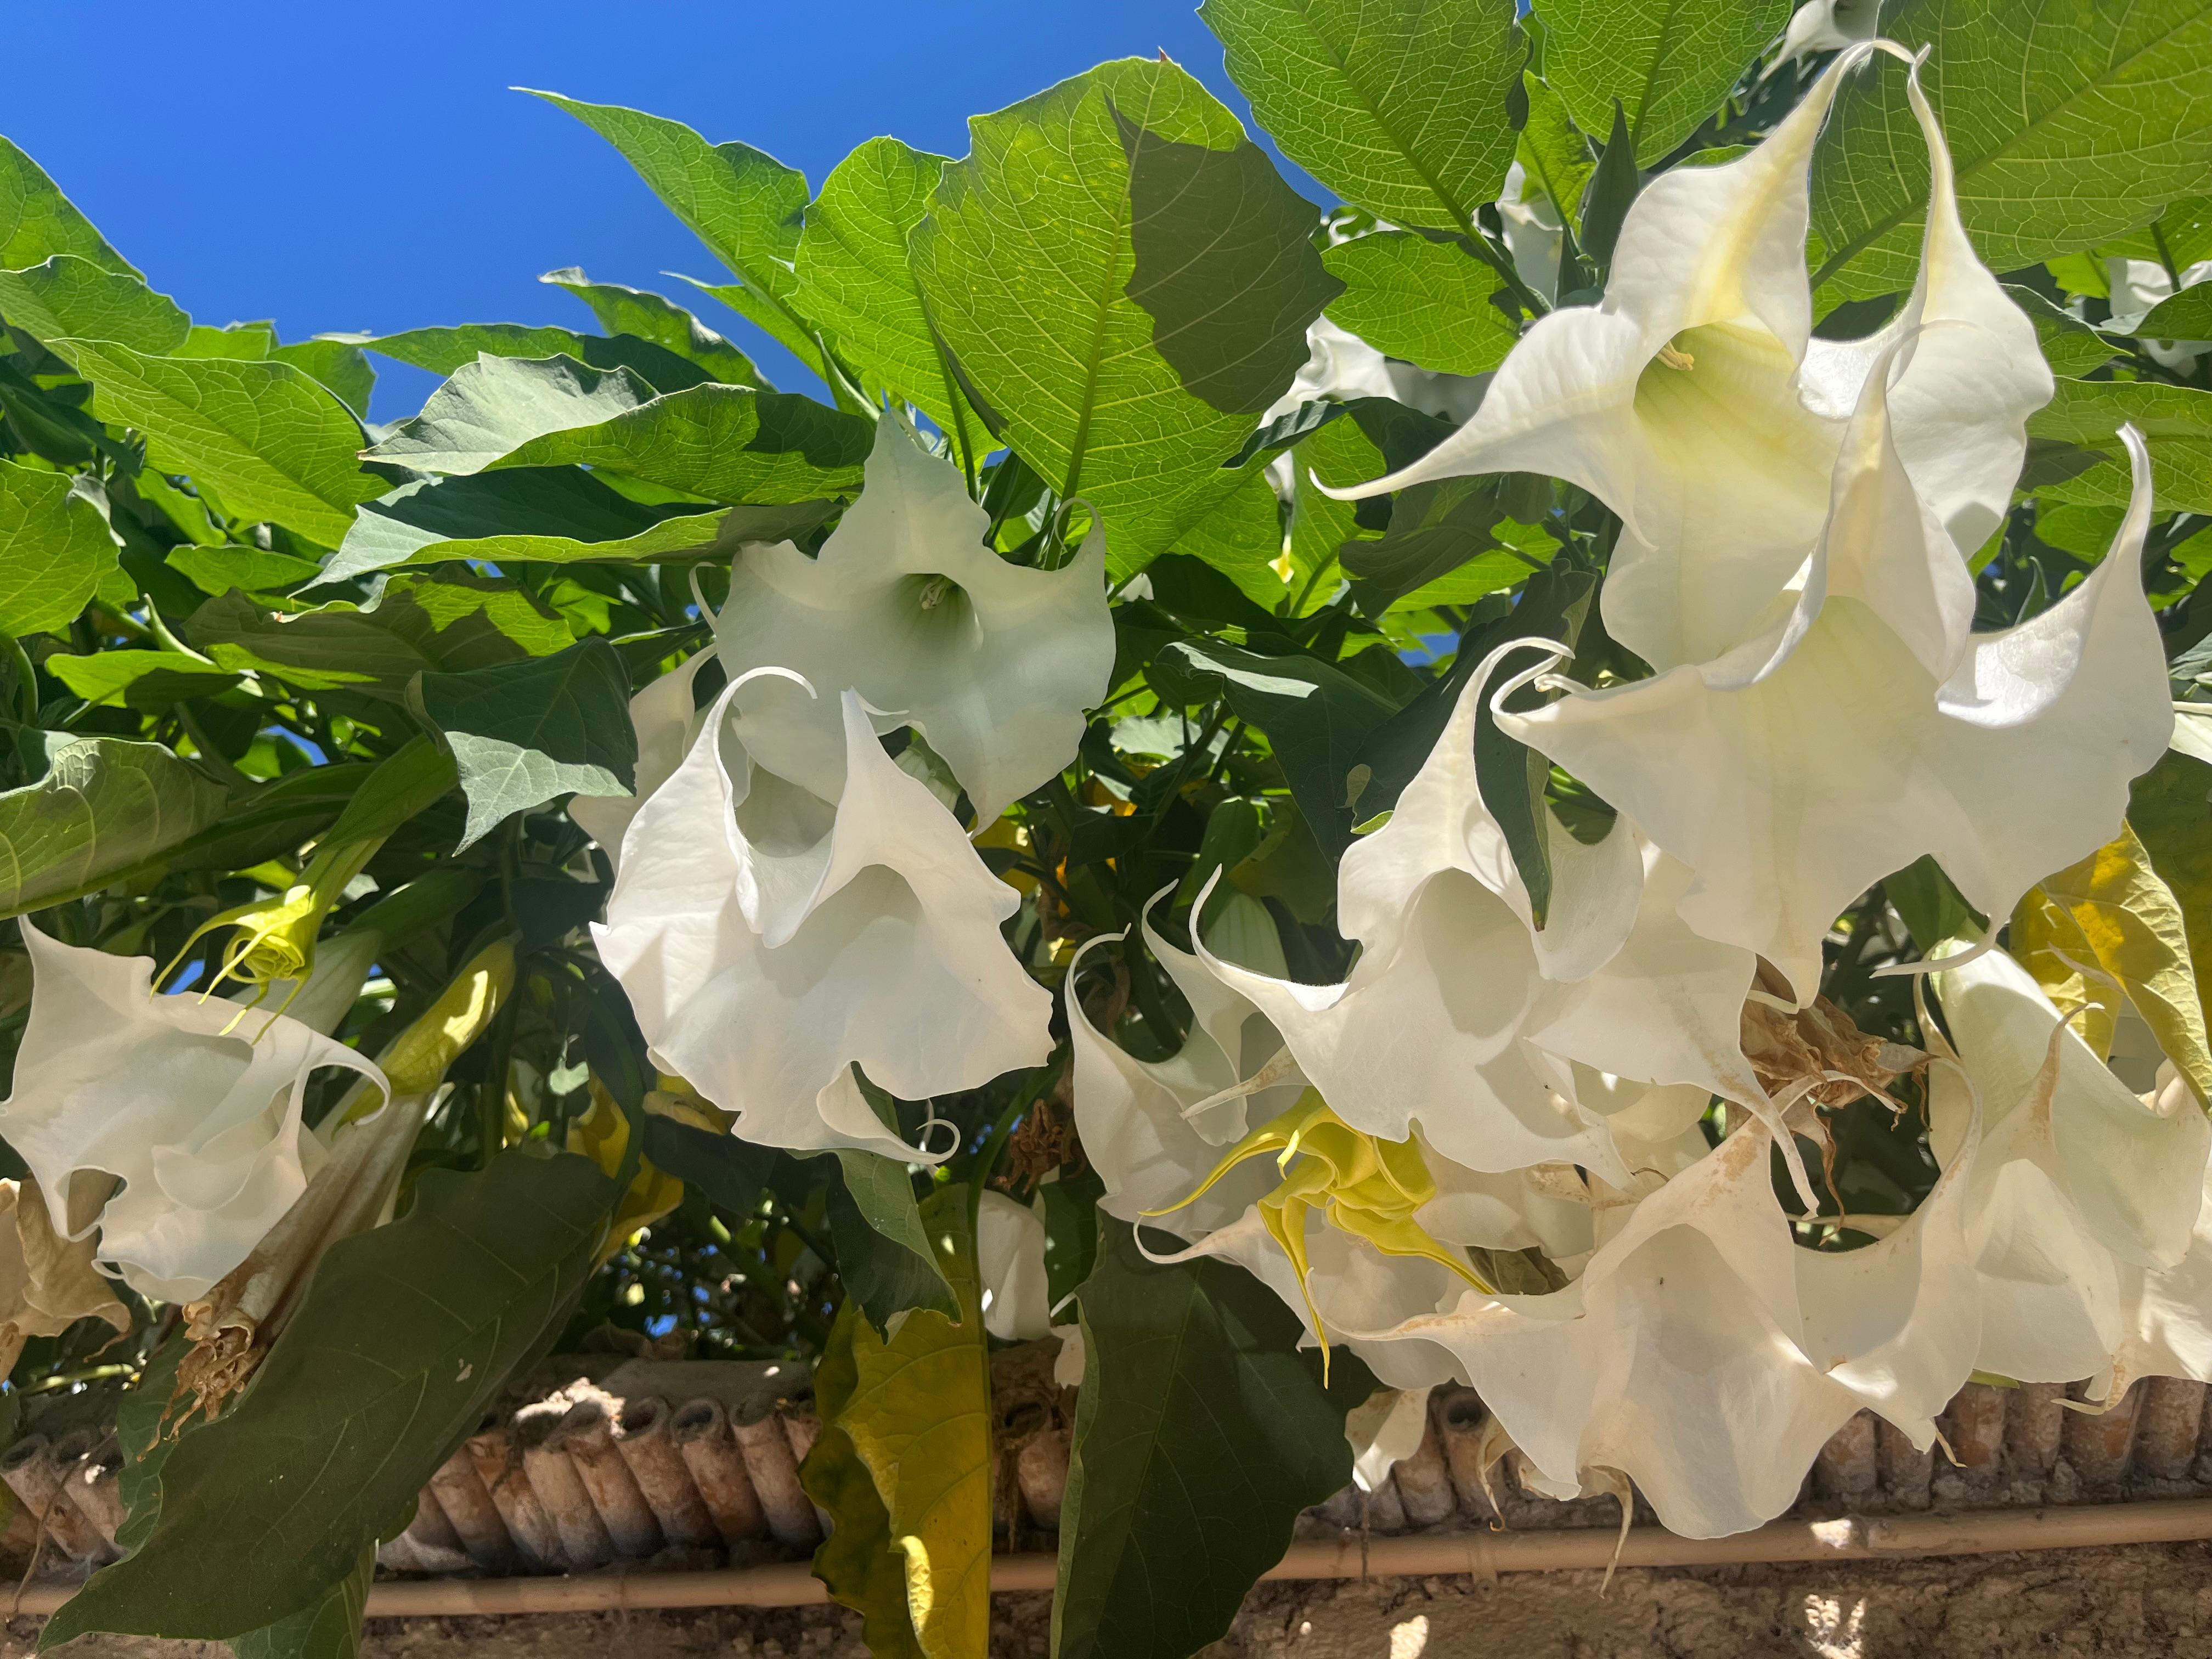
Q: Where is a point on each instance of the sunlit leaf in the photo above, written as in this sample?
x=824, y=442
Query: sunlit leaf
x=104, y=806
x=55, y=532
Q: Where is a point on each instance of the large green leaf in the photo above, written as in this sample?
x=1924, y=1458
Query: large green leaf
x=1315, y=716
x=1449, y=542
x=1398, y=106
x=1126, y=284
x=71, y=297
x=2184, y=316
x=742, y=203
x=404, y=1335
x=252, y=569
x=2170, y=808
x=491, y=406
x=1554, y=152
x=552, y=514
x=57, y=548
x=1428, y=302
x=446, y=624
x=527, y=733
x=2071, y=121
x=103, y=807
x=905, y=1464
x=448, y=350
x=264, y=436
x=1201, y=1433
x=1243, y=539
x=856, y=278
x=2069, y=345
x=331, y=1629
x=338, y=364
x=633, y=312
x=150, y=680
x=38, y=222
x=1669, y=62
x=2087, y=415
x=724, y=443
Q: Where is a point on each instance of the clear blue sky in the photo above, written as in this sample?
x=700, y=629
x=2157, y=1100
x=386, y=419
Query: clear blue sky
x=340, y=167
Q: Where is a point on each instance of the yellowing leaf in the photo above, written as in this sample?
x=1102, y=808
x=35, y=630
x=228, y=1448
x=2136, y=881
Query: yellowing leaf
x=903, y=1465
x=2108, y=929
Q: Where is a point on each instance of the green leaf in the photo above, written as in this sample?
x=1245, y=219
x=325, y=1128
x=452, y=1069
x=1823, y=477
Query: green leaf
x=148, y=680
x=1201, y=1433
x=883, y=1251
x=448, y=350
x=1614, y=187
x=264, y=436
x=2088, y=415
x=550, y=514
x=246, y=343
x=55, y=531
x=856, y=278
x=446, y=624
x=1071, y=1224
x=1553, y=151
x=2069, y=122
x=724, y=442
x=1428, y=302
x=38, y=222
x=489, y=409
x=1315, y=716
x=2170, y=808
x=218, y=570
x=528, y=732
x=1125, y=284
x=905, y=1464
x=742, y=203
x=2184, y=316
x=1670, y=62
x=404, y=1335
x=1398, y=106
x=1933, y=910
x=2069, y=345
x=1242, y=538
x=69, y=297
x=338, y=364
x=1449, y=542
x=104, y=806
x=633, y=312
x=331, y=1629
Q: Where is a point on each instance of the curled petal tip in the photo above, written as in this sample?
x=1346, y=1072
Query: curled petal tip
x=1359, y=492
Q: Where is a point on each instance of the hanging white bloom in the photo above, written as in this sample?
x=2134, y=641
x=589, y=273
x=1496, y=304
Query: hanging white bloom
x=2082, y=1191
x=666, y=724
x=1460, y=1018
x=1341, y=366
x=1696, y=403
x=1867, y=726
x=193, y=1105
x=995, y=662
x=1534, y=233
x=2166, y=1327
x=1827, y=26
x=1010, y=1263
x=1384, y=1429
x=2138, y=286
x=772, y=938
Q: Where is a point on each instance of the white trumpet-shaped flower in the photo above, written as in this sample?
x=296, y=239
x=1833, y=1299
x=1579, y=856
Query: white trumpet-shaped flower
x=1341, y=366
x=772, y=938
x=1827, y=26
x=193, y=1105
x=1462, y=1019
x=2082, y=1193
x=1695, y=402
x=1868, y=726
x=995, y=662
x=665, y=724
x=1010, y=1265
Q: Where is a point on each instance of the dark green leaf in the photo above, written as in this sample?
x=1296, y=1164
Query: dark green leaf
x=552, y=515
x=1071, y=1225
x=1124, y=282
x=1398, y=106
x=1449, y=542
x=633, y=312
x=528, y=732
x=69, y=297
x=331, y=1629
x=2069, y=122
x=883, y=1253
x=1317, y=717
x=404, y=1335
x=447, y=350
x=38, y=222
x=273, y=443
x=742, y=203
x=1201, y=1433
x=1427, y=302
x=1933, y=910
x=103, y=807
x=54, y=529
x=1612, y=190
x=1668, y=62
x=444, y=624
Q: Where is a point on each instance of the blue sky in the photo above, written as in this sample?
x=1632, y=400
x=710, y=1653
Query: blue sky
x=339, y=167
